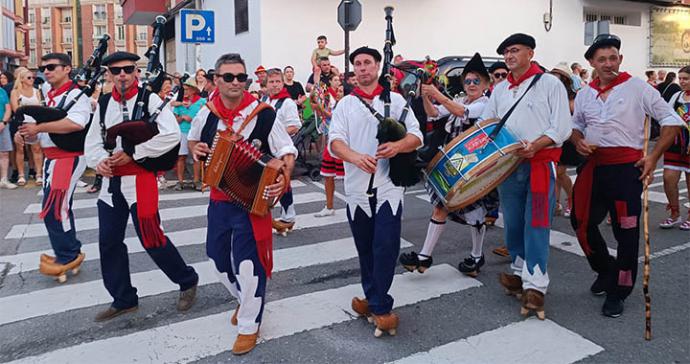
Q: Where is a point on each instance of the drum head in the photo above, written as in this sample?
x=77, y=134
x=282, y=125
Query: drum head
x=471, y=165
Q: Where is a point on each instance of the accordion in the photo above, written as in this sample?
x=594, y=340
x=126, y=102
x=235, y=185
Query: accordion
x=241, y=171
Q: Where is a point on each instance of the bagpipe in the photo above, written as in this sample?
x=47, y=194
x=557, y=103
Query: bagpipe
x=140, y=126
x=71, y=142
x=402, y=170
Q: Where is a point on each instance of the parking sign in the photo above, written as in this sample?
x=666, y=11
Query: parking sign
x=197, y=26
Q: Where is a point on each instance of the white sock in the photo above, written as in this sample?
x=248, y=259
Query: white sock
x=432, y=234
x=477, y=240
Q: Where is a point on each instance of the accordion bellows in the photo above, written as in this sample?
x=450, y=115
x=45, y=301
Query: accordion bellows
x=241, y=171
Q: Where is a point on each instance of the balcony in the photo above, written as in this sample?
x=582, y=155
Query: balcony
x=141, y=12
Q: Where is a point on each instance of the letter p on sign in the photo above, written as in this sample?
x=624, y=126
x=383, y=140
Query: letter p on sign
x=195, y=23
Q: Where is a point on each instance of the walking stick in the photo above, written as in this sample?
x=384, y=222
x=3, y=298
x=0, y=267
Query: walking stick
x=647, y=245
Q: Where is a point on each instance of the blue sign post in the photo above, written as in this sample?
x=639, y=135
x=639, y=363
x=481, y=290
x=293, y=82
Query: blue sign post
x=197, y=26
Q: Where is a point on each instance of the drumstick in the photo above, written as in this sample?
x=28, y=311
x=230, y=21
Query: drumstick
x=647, y=245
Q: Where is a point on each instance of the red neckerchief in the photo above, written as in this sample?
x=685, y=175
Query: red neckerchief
x=192, y=99
x=131, y=91
x=622, y=77
x=283, y=94
x=531, y=71
x=687, y=93
x=213, y=94
x=334, y=93
x=228, y=115
x=53, y=93
x=359, y=92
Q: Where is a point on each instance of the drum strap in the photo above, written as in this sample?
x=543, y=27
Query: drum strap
x=505, y=117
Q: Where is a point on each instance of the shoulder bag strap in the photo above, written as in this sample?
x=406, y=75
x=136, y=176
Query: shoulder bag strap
x=505, y=117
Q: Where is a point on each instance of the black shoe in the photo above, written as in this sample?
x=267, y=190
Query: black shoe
x=14, y=176
x=613, y=307
x=471, y=265
x=32, y=173
x=112, y=312
x=411, y=262
x=599, y=286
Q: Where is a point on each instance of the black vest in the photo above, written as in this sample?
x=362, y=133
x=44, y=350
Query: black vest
x=264, y=124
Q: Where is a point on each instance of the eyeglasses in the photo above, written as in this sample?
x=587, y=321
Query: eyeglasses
x=50, y=67
x=229, y=77
x=117, y=70
x=511, y=50
x=475, y=81
x=500, y=74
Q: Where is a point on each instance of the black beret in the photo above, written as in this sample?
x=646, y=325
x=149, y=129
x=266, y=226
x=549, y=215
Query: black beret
x=603, y=41
x=497, y=65
x=517, y=38
x=365, y=50
x=119, y=56
x=210, y=73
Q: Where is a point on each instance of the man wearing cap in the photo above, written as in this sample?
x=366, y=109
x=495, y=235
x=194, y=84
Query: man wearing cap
x=239, y=243
x=287, y=115
x=462, y=113
x=498, y=72
x=258, y=85
x=184, y=113
x=129, y=189
x=609, y=129
x=62, y=168
x=541, y=120
x=375, y=220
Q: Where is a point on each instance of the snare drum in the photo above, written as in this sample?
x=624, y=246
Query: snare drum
x=471, y=165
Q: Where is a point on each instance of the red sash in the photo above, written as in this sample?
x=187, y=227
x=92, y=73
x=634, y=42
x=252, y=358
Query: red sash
x=152, y=235
x=582, y=191
x=540, y=186
x=63, y=168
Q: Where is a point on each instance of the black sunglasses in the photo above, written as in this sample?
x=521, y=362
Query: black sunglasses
x=117, y=70
x=475, y=81
x=229, y=77
x=500, y=75
x=51, y=67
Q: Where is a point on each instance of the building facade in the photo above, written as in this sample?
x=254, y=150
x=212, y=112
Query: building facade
x=257, y=29
x=75, y=27
x=13, y=34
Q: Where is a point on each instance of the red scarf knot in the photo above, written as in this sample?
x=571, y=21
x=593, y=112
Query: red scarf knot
x=192, y=99
x=333, y=92
x=361, y=93
x=283, y=94
x=53, y=92
x=540, y=185
x=582, y=191
x=129, y=93
x=228, y=115
x=533, y=69
x=622, y=77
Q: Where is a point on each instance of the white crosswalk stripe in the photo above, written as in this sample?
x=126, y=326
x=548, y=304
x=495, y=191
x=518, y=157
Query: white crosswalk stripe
x=185, y=340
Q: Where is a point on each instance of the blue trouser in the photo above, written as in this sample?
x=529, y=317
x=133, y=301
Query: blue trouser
x=230, y=244
x=62, y=234
x=528, y=245
x=287, y=207
x=377, y=239
x=112, y=223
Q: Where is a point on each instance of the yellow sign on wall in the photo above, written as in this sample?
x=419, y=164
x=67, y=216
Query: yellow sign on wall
x=670, y=37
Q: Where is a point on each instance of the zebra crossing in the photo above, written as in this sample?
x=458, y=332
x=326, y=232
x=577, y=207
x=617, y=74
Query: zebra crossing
x=322, y=245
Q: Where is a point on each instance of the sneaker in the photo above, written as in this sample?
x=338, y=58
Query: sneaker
x=613, y=307
x=81, y=183
x=685, y=226
x=162, y=183
x=112, y=312
x=178, y=186
x=197, y=186
x=566, y=212
x=470, y=266
x=325, y=212
x=7, y=185
x=670, y=223
x=598, y=288
x=187, y=299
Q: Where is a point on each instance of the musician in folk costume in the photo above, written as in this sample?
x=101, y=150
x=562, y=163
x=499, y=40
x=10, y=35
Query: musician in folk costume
x=130, y=189
x=62, y=168
x=374, y=220
x=240, y=243
x=542, y=121
x=609, y=129
x=287, y=116
x=463, y=114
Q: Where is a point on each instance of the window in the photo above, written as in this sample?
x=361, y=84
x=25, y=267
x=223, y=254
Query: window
x=47, y=40
x=45, y=16
x=99, y=12
x=98, y=31
x=32, y=57
x=614, y=17
x=66, y=15
x=67, y=35
x=32, y=16
x=118, y=13
x=120, y=36
x=32, y=37
x=241, y=16
x=142, y=33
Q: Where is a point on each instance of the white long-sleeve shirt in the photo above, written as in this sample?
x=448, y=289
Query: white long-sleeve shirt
x=619, y=121
x=78, y=114
x=279, y=141
x=473, y=110
x=287, y=115
x=544, y=110
x=353, y=124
